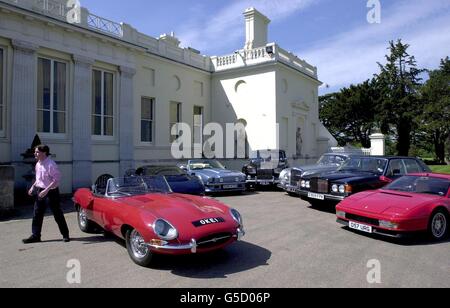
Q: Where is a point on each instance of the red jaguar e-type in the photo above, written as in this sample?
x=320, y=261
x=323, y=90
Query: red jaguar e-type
x=415, y=202
x=152, y=219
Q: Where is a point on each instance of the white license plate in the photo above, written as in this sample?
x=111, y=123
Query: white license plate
x=229, y=186
x=316, y=196
x=360, y=227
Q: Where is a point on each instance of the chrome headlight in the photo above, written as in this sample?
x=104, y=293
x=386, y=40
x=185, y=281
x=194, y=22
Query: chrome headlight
x=211, y=180
x=308, y=184
x=164, y=230
x=221, y=180
x=237, y=217
x=342, y=189
x=334, y=188
x=303, y=184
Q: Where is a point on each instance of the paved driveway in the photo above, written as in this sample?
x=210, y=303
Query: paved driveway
x=288, y=244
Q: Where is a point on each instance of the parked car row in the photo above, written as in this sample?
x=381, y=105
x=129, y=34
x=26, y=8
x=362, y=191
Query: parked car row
x=163, y=210
x=388, y=195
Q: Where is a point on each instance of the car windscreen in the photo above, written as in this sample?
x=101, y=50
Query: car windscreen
x=365, y=164
x=205, y=164
x=163, y=170
x=136, y=185
x=420, y=184
x=336, y=160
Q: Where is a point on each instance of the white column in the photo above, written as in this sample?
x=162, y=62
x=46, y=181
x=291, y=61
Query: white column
x=377, y=142
x=82, y=125
x=126, y=120
x=23, y=98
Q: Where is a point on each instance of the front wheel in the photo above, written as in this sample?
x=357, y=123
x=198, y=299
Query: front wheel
x=438, y=225
x=84, y=223
x=137, y=249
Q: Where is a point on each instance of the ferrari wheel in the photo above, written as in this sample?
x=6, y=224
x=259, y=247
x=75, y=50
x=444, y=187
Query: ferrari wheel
x=84, y=223
x=137, y=249
x=438, y=225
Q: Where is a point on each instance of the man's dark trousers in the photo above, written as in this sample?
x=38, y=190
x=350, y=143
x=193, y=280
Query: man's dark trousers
x=40, y=206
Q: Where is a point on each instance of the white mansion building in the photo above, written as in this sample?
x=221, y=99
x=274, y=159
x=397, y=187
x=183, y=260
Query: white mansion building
x=103, y=96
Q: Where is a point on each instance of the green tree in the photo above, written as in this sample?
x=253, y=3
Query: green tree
x=399, y=105
x=349, y=114
x=435, y=120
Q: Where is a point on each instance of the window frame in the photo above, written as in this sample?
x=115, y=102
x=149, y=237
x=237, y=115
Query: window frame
x=102, y=136
x=52, y=134
x=179, y=120
x=3, y=91
x=152, y=121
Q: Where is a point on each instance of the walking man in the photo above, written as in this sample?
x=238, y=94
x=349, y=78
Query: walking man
x=45, y=191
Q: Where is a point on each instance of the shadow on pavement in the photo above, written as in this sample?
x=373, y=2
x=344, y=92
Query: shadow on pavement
x=412, y=239
x=238, y=257
x=25, y=211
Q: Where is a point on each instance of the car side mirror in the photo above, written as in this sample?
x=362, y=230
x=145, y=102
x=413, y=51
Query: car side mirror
x=183, y=167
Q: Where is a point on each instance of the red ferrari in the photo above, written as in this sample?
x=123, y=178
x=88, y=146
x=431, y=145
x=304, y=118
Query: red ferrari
x=153, y=220
x=415, y=202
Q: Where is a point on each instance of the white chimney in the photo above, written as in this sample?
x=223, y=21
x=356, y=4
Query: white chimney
x=255, y=29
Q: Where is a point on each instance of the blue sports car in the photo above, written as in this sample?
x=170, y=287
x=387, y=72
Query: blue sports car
x=178, y=180
x=215, y=176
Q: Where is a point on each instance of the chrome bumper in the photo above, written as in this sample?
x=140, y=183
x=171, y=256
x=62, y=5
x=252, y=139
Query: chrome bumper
x=192, y=246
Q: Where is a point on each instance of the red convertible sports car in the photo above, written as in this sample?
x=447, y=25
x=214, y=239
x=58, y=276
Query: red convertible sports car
x=415, y=202
x=152, y=219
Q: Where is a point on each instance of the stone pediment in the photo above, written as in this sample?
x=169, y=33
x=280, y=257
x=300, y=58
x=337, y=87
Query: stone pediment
x=300, y=104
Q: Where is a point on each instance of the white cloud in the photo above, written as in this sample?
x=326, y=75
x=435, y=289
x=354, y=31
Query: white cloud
x=352, y=57
x=227, y=26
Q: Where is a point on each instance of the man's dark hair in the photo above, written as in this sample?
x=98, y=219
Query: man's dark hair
x=43, y=148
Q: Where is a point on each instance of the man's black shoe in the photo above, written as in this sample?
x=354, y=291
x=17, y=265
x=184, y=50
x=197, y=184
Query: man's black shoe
x=66, y=239
x=31, y=239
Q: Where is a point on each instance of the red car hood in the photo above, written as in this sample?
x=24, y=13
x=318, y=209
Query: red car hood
x=182, y=210
x=386, y=202
x=173, y=205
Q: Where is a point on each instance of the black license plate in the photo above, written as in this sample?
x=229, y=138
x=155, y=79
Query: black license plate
x=208, y=221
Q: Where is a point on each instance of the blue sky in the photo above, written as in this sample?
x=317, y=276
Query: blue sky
x=333, y=35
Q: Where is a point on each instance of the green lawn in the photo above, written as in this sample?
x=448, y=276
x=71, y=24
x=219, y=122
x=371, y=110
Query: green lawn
x=441, y=169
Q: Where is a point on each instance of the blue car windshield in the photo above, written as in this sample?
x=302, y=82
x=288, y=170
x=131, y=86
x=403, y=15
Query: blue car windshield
x=421, y=185
x=205, y=164
x=365, y=164
x=136, y=185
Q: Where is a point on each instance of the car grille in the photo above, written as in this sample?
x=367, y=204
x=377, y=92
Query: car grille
x=230, y=179
x=213, y=240
x=264, y=174
x=296, y=175
x=371, y=221
x=319, y=185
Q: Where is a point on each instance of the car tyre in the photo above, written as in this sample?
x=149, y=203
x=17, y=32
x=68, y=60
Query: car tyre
x=138, y=251
x=84, y=223
x=438, y=225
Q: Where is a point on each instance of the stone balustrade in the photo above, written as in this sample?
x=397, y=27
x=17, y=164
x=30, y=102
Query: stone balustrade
x=269, y=53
